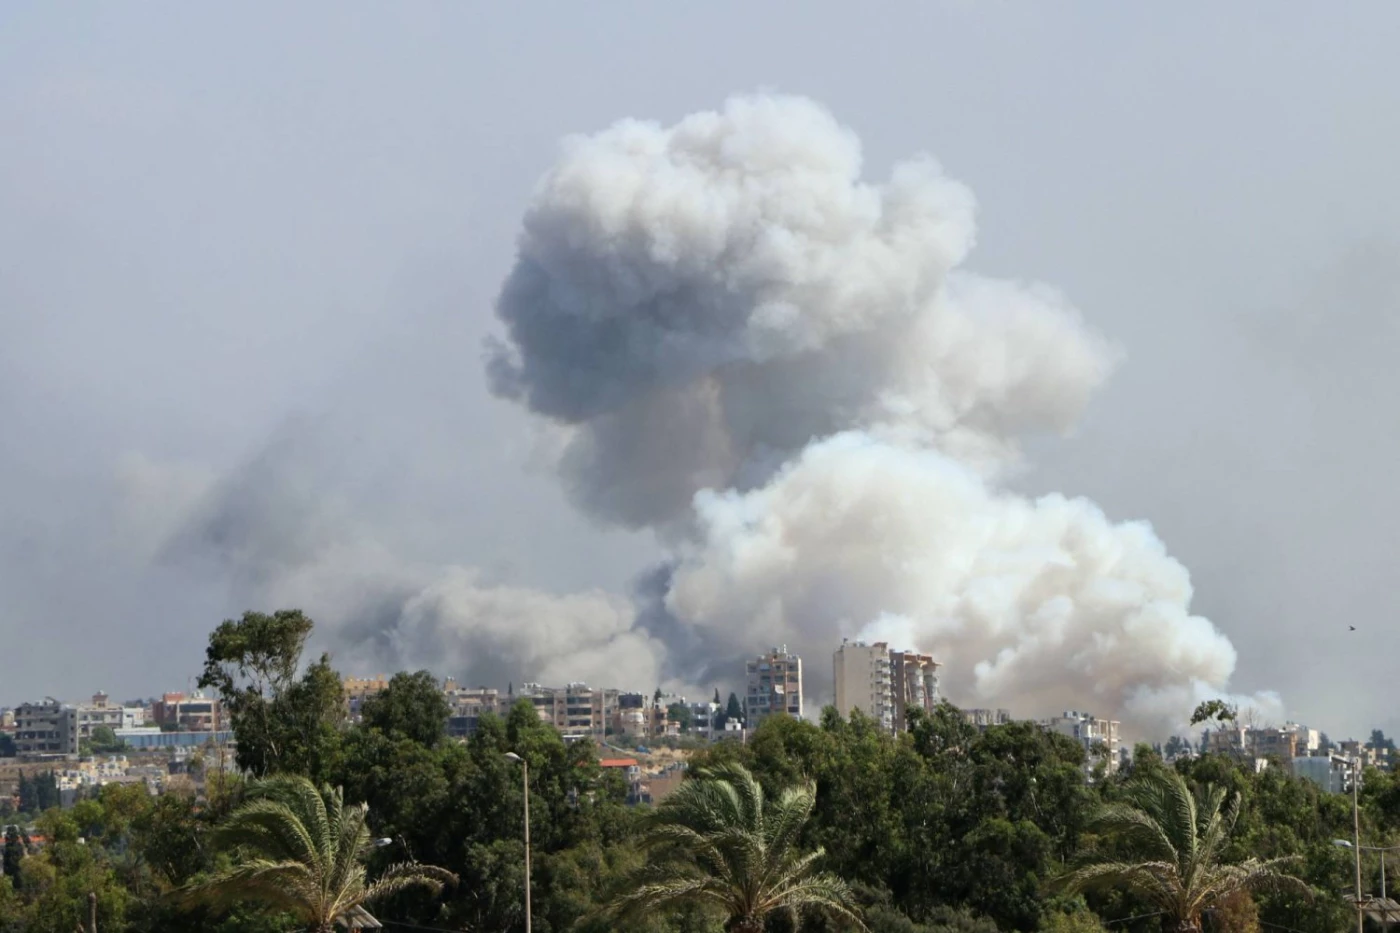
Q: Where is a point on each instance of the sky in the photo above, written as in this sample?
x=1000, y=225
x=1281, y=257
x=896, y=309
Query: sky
x=255, y=235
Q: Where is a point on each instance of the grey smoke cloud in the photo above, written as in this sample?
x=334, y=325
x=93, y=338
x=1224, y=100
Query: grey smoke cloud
x=781, y=368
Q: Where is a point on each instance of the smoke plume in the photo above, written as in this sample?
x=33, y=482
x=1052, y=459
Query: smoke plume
x=781, y=368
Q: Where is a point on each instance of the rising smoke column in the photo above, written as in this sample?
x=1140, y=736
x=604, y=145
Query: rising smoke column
x=781, y=368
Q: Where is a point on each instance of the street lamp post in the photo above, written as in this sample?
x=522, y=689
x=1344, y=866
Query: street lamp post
x=525, y=771
x=1381, y=850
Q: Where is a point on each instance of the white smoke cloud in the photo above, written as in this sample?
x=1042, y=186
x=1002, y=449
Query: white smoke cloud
x=779, y=367
x=699, y=302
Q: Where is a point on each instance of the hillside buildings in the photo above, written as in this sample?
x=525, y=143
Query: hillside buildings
x=884, y=684
x=773, y=685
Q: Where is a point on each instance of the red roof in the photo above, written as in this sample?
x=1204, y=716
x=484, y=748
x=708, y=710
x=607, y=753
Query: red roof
x=618, y=763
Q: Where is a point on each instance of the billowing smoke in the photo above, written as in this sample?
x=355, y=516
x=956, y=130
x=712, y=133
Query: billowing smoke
x=283, y=540
x=780, y=368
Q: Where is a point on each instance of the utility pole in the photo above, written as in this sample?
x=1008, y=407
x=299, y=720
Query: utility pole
x=92, y=912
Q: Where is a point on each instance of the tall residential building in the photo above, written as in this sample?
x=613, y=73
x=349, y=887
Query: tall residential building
x=774, y=686
x=46, y=729
x=575, y=710
x=863, y=681
x=1096, y=735
x=914, y=682
x=884, y=684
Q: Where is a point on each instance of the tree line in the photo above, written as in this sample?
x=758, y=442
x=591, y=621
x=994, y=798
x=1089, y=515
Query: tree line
x=943, y=829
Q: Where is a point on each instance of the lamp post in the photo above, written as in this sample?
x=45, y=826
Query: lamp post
x=1343, y=843
x=1352, y=765
x=525, y=766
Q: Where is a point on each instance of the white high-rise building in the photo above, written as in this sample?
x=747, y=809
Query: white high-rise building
x=884, y=684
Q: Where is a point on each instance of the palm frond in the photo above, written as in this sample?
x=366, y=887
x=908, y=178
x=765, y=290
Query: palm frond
x=406, y=875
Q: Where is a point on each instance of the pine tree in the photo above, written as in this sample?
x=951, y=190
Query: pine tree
x=13, y=852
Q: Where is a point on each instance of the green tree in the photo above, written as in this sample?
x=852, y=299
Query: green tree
x=302, y=851
x=1165, y=846
x=282, y=723
x=412, y=706
x=13, y=852
x=1213, y=711
x=104, y=739
x=735, y=709
x=7, y=745
x=680, y=713
x=719, y=841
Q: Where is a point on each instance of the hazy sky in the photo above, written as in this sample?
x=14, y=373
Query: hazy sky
x=218, y=230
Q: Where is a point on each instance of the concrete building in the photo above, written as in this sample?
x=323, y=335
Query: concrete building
x=1098, y=736
x=468, y=706
x=187, y=712
x=774, y=686
x=986, y=718
x=576, y=710
x=46, y=730
x=863, y=681
x=884, y=684
x=1320, y=770
x=357, y=689
x=101, y=711
x=914, y=685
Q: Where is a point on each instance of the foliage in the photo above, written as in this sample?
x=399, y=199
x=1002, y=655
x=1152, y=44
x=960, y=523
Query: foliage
x=411, y=707
x=1166, y=843
x=283, y=724
x=720, y=842
x=302, y=850
x=1213, y=710
x=680, y=714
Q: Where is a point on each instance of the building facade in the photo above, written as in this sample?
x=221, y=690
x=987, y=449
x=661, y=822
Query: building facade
x=576, y=710
x=883, y=684
x=47, y=729
x=863, y=681
x=468, y=706
x=984, y=719
x=1098, y=736
x=774, y=685
x=914, y=685
x=187, y=712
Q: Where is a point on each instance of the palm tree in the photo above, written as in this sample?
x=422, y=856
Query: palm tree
x=1166, y=848
x=718, y=842
x=302, y=850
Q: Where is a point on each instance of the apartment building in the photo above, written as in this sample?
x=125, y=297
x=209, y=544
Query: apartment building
x=1098, y=736
x=47, y=729
x=984, y=719
x=188, y=712
x=774, y=685
x=576, y=710
x=883, y=684
x=468, y=706
x=101, y=711
x=914, y=684
x=358, y=689
x=863, y=681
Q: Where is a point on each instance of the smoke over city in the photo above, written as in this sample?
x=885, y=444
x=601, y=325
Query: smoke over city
x=781, y=368
x=738, y=343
